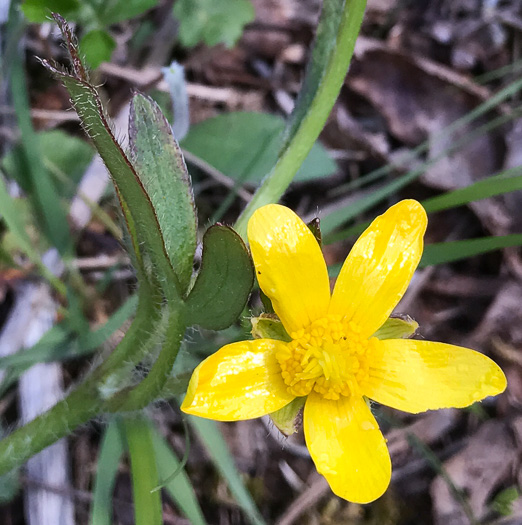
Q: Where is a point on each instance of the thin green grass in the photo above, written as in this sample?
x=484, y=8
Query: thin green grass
x=111, y=450
x=144, y=471
x=214, y=443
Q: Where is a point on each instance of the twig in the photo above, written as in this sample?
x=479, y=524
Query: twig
x=317, y=490
x=216, y=175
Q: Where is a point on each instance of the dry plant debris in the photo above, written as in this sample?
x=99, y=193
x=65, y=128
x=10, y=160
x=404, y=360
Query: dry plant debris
x=419, y=67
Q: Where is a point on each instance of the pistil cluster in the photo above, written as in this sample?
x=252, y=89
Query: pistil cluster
x=329, y=357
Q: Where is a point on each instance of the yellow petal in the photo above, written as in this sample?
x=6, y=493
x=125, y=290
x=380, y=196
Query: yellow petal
x=415, y=376
x=240, y=381
x=347, y=447
x=379, y=267
x=289, y=265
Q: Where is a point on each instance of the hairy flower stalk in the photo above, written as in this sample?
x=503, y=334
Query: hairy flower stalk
x=334, y=361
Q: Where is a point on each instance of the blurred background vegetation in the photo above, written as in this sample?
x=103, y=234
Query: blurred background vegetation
x=430, y=110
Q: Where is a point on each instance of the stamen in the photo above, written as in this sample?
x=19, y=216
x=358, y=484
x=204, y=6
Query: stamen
x=329, y=357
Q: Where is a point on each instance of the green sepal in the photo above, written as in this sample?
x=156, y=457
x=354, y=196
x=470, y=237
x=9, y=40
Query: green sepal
x=266, y=302
x=268, y=326
x=224, y=282
x=315, y=227
x=397, y=328
x=161, y=169
x=289, y=418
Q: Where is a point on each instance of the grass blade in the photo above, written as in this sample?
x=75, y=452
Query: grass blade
x=213, y=440
x=59, y=343
x=147, y=502
x=13, y=221
x=482, y=109
x=503, y=182
x=111, y=450
x=445, y=252
x=38, y=184
x=331, y=222
x=179, y=488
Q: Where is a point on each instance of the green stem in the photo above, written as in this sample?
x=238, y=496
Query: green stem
x=76, y=409
x=151, y=387
x=79, y=406
x=308, y=129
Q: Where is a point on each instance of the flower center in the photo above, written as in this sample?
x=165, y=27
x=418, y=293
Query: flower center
x=329, y=357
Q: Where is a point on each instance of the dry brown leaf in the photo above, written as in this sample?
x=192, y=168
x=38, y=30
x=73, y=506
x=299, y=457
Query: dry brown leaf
x=476, y=473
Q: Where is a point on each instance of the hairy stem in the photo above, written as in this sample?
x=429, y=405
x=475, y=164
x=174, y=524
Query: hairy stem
x=151, y=387
x=79, y=406
x=312, y=113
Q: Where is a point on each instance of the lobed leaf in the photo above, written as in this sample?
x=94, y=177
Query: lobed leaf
x=138, y=211
x=161, y=169
x=212, y=21
x=224, y=281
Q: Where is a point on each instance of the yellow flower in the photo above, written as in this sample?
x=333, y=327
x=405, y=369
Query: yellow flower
x=333, y=358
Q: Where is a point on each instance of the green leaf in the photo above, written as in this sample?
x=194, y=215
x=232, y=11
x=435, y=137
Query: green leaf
x=147, y=502
x=244, y=146
x=38, y=11
x=504, y=501
x=212, y=21
x=137, y=208
x=117, y=11
x=214, y=443
x=445, y=252
x=224, y=281
x=179, y=488
x=162, y=171
x=397, y=328
x=111, y=450
x=97, y=47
